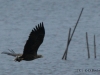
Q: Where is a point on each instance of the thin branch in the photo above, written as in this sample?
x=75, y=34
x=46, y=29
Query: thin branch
x=87, y=45
x=94, y=47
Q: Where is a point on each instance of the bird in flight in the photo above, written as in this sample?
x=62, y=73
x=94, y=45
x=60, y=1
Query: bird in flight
x=34, y=41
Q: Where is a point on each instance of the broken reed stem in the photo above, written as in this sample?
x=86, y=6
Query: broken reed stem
x=94, y=47
x=68, y=42
x=87, y=45
x=70, y=38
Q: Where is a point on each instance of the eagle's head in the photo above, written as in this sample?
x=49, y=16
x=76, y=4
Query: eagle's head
x=18, y=59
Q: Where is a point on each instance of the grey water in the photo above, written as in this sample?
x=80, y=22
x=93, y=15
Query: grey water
x=19, y=17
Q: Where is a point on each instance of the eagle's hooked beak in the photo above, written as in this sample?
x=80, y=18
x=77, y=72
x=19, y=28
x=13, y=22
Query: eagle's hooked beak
x=18, y=59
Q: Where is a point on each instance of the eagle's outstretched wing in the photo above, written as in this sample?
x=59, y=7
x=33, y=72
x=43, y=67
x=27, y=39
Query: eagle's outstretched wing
x=12, y=53
x=35, y=40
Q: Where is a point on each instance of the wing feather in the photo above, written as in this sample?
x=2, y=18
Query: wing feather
x=12, y=54
x=35, y=40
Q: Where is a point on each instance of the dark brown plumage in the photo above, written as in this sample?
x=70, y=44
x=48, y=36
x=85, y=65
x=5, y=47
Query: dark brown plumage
x=35, y=39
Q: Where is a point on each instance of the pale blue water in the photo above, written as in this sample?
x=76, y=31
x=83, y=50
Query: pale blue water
x=18, y=17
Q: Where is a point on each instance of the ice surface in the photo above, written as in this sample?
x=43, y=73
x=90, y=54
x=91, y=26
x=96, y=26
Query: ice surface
x=18, y=17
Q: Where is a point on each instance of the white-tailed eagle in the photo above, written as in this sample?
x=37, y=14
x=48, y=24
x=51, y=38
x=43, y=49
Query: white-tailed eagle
x=35, y=39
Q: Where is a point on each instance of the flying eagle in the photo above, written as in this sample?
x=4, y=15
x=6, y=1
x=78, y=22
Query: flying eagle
x=35, y=39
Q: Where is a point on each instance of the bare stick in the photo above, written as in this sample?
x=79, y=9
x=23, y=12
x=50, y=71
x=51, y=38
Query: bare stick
x=67, y=45
x=94, y=47
x=76, y=24
x=87, y=45
x=66, y=51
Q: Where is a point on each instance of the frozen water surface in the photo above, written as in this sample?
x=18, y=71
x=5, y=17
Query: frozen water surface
x=18, y=17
